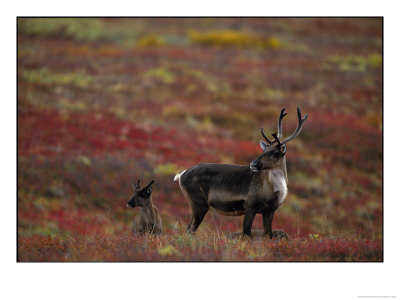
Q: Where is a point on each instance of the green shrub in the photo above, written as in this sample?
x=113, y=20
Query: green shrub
x=45, y=77
x=161, y=73
x=77, y=28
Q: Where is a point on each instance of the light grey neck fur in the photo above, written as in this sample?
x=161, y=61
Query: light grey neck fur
x=278, y=179
x=283, y=168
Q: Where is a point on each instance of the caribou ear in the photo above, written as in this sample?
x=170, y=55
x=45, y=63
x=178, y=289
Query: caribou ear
x=283, y=149
x=148, y=191
x=263, y=145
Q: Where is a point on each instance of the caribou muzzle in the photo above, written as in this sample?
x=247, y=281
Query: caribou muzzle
x=131, y=204
x=256, y=166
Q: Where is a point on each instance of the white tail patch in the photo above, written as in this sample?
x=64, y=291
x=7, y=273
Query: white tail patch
x=178, y=175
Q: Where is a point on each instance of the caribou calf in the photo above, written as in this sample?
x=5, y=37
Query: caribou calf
x=148, y=220
x=234, y=190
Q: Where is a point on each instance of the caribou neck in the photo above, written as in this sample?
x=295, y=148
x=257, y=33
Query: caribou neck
x=280, y=169
x=148, y=211
x=282, y=166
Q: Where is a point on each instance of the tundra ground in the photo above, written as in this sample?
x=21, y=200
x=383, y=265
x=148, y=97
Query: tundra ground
x=103, y=102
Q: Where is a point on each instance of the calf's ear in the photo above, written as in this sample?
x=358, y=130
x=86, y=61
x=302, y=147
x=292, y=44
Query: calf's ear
x=148, y=191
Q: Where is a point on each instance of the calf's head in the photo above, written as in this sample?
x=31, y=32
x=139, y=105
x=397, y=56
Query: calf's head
x=141, y=196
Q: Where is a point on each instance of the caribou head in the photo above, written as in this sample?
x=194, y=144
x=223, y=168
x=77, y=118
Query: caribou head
x=141, y=196
x=274, y=151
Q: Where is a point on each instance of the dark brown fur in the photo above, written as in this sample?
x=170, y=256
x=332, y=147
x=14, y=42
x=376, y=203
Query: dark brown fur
x=209, y=186
x=148, y=220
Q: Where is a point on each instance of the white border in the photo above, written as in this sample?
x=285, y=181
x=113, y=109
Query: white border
x=198, y=280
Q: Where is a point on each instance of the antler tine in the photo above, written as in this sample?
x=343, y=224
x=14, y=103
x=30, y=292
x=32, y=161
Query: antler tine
x=277, y=139
x=136, y=187
x=299, y=126
x=265, y=137
x=282, y=115
x=151, y=182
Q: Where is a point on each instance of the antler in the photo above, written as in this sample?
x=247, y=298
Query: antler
x=151, y=182
x=299, y=126
x=282, y=115
x=277, y=139
x=137, y=186
x=280, y=134
x=265, y=137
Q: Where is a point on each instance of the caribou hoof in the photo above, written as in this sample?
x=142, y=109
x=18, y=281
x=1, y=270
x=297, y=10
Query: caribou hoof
x=259, y=234
x=240, y=235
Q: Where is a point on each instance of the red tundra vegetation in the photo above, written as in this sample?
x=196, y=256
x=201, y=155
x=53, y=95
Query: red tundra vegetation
x=102, y=102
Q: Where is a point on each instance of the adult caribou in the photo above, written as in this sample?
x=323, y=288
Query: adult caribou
x=235, y=190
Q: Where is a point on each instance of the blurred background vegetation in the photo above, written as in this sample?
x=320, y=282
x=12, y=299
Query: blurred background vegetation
x=103, y=102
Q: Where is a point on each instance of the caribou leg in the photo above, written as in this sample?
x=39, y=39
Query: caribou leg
x=249, y=216
x=198, y=214
x=267, y=223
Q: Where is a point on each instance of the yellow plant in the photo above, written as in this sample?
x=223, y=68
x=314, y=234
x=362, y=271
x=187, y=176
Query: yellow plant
x=173, y=112
x=274, y=42
x=167, y=250
x=314, y=236
x=161, y=73
x=85, y=160
x=150, y=41
x=167, y=169
x=374, y=119
x=231, y=38
x=356, y=63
